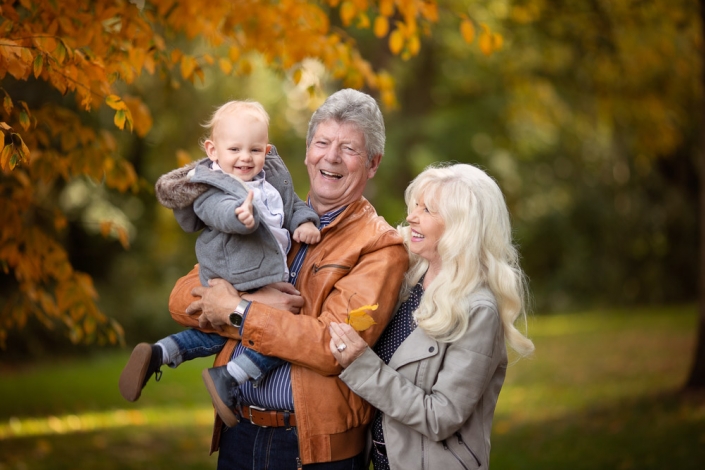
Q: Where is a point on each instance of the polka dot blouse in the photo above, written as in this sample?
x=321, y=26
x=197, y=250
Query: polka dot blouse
x=401, y=326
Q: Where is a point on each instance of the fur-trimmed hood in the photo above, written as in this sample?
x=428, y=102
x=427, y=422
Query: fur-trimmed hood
x=174, y=190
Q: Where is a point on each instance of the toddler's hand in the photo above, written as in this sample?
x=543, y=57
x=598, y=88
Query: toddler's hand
x=244, y=212
x=307, y=233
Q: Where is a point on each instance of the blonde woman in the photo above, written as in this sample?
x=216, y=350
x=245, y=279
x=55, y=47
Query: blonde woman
x=437, y=370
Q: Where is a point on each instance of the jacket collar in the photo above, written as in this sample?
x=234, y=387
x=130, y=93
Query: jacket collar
x=417, y=346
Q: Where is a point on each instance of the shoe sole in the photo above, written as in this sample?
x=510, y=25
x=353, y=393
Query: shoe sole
x=225, y=413
x=133, y=374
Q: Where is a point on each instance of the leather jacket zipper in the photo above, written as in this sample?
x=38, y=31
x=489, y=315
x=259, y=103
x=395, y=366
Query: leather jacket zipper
x=330, y=266
x=462, y=442
x=445, y=447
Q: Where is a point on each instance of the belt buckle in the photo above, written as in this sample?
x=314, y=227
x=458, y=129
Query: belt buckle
x=256, y=408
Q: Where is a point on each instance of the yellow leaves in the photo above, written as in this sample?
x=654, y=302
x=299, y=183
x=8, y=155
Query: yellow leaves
x=386, y=8
x=13, y=150
x=347, y=13
x=13, y=61
x=188, y=65
x=359, y=319
x=226, y=66
x=123, y=115
x=396, y=41
x=467, y=30
x=489, y=41
x=108, y=228
x=37, y=65
x=142, y=117
x=381, y=26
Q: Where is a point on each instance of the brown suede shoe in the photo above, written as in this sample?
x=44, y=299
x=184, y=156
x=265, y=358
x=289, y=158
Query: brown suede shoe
x=145, y=361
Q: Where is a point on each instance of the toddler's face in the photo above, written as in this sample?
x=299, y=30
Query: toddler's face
x=239, y=144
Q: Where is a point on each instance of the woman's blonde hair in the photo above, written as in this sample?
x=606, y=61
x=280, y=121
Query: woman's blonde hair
x=252, y=107
x=476, y=250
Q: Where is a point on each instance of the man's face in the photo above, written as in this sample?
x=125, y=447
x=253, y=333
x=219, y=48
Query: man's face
x=338, y=166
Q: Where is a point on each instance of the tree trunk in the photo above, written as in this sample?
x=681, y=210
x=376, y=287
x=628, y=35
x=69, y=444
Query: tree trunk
x=697, y=373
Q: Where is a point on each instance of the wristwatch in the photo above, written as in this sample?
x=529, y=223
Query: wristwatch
x=237, y=316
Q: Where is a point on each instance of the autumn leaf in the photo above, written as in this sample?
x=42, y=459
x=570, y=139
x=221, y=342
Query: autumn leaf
x=396, y=41
x=359, y=319
x=115, y=102
x=467, y=30
x=37, y=65
x=120, y=117
x=381, y=26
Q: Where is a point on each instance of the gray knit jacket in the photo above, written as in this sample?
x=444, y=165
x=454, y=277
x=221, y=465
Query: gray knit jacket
x=247, y=258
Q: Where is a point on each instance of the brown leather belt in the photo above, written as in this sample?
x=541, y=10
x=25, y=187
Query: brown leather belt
x=268, y=418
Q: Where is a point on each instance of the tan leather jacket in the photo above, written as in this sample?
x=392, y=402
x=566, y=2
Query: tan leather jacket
x=360, y=260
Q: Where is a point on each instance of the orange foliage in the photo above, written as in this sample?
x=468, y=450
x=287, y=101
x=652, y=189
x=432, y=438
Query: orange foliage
x=85, y=50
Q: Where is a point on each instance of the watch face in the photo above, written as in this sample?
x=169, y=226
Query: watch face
x=236, y=319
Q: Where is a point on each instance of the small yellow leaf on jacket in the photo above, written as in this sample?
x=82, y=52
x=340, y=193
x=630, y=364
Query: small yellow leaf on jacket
x=359, y=319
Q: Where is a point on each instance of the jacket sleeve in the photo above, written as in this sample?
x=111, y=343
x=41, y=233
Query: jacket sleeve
x=181, y=298
x=217, y=210
x=187, y=220
x=302, y=213
x=467, y=369
x=303, y=339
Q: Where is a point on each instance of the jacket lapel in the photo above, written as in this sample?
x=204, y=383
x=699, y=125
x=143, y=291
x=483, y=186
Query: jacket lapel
x=415, y=347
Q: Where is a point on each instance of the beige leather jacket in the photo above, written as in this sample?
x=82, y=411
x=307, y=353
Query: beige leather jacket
x=360, y=260
x=438, y=399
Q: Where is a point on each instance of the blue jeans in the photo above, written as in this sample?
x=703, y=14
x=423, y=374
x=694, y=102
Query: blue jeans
x=247, y=447
x=191, y=344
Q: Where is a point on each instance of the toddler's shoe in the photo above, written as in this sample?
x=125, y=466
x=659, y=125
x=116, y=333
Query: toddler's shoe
x=221, y=386
x=145, y=361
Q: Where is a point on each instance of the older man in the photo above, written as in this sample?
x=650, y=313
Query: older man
x=300, y=413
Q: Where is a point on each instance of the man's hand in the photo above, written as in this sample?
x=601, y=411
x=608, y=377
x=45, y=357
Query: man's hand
x=216, y=303
x=307, y=233
x=280, y=295
x=244, y=212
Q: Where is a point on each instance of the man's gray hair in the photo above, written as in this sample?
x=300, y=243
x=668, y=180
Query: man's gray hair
x=355, y=107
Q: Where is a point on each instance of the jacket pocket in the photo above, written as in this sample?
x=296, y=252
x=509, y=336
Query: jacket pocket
x=459, y=451
x=244, y=256
x=342, y=267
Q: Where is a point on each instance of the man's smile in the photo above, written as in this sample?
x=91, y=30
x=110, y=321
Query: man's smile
x=328, y=174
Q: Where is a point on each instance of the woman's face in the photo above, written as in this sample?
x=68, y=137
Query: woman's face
x=426, y=230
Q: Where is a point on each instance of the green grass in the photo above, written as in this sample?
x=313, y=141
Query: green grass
x=600, y=393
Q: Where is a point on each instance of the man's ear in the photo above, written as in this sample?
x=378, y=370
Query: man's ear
x=210, y=150
x=373, y=166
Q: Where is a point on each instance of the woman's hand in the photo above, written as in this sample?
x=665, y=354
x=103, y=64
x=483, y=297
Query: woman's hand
x=345, y=344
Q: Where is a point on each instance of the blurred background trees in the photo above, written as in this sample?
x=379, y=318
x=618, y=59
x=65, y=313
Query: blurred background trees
x=587, y=112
